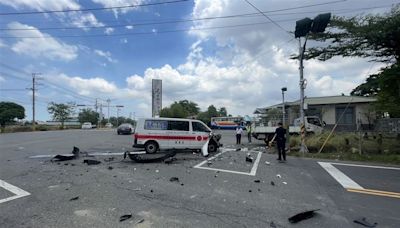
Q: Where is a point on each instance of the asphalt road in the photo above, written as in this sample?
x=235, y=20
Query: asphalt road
x=218, y=193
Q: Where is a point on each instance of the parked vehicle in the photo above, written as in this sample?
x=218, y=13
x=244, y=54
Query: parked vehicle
x=264, y=132
x=125, y=128
x=108, y=125
x=87, y=125
x=154, y=134
x=227, y=122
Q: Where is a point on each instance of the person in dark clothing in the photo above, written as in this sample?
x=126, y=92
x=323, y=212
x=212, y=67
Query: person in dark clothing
x=280, y=136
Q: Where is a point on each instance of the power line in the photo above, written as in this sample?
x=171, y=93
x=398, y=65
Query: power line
x=174, y=21
x=92, y=9
x=12, y=90
x=265, y=15
x=143, y=33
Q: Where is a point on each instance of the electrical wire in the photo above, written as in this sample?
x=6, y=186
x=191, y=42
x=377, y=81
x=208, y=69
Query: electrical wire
x=92, y=9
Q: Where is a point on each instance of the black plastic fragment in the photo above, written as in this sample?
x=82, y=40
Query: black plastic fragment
x=125, y=217
x=272, y=183
x=249, y=159
x=149, y=158
x=63, y=157
x=75, y=198
x=91, y=162
x=110, y=167
x=302, y=216
x=363, y=221
x=257, y=181
x=272, y=224
x=174, y=179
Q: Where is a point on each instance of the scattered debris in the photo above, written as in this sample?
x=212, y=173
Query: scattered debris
x=169, y=160
x=137, y=189
x=272, y=183
x=110, y=167
x=363, y=221
x=182, y=184
x=109, y=159
x=125, y=217
x=278, y=175
x=284, y=182
x=245, y=149
x=209, y=163
x=249, y=158
x=268, y=163
x=250, y=190
x=238, y=149
x=142, y=157
x=172, y=179
x=151, y=190
x=75, y=198
x=157, y=170
x=140, y=221
x=257, y=181
x=272, y=224
x=91, y=162
x=216, y=175
x=302, y=216
x=63, y=157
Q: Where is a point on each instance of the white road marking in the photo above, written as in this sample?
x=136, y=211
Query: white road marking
x=255, y=166
x=251, y=173
x=14, y=189
x=366, y=166
x=49, y=155
x=339, y=176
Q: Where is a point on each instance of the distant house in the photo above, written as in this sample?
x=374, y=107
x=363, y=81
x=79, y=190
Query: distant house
x=329, y=109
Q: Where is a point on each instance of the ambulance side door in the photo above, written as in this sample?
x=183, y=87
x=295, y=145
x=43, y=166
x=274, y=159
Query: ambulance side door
x=201, y=134
x=178, y=134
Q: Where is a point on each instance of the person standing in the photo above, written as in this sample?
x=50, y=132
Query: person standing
x=239, y=132
x=248, y=128
x=280, y=136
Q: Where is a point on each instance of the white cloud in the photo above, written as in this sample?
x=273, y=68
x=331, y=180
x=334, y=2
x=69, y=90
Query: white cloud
x=84, y=20
x=42, y=5
x=124, y=40
x=113, y=3
x=108, y=31
x=2, y=44
x=2, y=79
x=44, y=46
x=129, y=27
x=106, y=55
x=91, y=86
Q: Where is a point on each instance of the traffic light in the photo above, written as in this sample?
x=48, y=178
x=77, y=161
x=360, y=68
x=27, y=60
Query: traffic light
x=303, y=27
x=320, y=22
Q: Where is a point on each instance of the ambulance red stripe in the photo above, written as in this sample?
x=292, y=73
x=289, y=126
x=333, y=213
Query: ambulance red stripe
x=168, y=137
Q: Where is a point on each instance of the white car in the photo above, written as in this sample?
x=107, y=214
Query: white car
x=87, y=125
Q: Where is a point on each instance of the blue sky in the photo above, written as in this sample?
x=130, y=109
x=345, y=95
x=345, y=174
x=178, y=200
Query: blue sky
x=241, y=63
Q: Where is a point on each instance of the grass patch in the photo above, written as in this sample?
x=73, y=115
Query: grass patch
x=346, y=146
x=13, y=129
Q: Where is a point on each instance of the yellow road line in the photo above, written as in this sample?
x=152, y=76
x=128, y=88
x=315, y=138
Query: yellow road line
x=375, y=192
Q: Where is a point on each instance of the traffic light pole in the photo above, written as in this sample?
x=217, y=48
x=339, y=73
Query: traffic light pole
x=303, y=147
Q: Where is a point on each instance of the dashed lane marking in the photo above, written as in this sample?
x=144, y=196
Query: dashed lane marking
x=14, y=189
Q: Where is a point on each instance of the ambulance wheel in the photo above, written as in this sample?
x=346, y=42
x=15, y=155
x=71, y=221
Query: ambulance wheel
x=212, y=147
x=151, y=147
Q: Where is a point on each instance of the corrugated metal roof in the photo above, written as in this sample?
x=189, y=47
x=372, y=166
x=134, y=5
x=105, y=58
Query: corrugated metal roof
x=321, y=101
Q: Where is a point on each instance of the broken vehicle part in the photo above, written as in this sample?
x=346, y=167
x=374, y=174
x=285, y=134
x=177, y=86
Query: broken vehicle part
x=91, y=162
x=142, y=157
x=302, y=216
x=174, y=179
x=75, y=198
x=249, y=158
x=363, y=221
x=125, y=217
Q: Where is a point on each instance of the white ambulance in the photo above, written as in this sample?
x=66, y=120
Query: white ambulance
x=154, y=134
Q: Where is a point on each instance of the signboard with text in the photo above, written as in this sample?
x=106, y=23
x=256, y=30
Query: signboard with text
x=156, y=97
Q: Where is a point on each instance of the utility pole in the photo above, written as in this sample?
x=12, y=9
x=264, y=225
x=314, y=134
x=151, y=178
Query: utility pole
x=108, y=106
x=283, y=105
x=33, y=100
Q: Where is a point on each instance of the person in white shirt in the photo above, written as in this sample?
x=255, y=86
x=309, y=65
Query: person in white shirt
x=239, y=132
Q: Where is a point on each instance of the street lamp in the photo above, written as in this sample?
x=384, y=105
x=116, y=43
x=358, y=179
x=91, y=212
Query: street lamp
x=284, y=89
x=303, y=28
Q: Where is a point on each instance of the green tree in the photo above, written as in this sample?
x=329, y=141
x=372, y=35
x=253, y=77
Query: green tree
x=190, y=107
x=222, y=112
x=376, y=37
x=178, y=111
x=165, y=112
x=131, y=121
x=10, y=111
x=60, y=112
x=88, y=115
x=212, y=111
